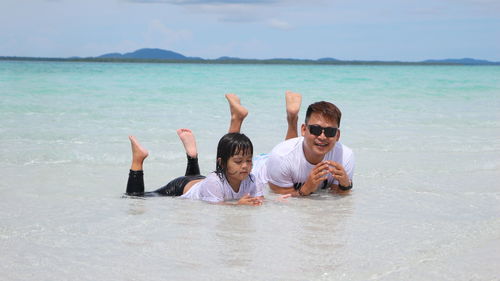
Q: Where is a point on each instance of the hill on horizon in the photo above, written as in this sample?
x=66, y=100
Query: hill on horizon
x=468, y=61
x=160, y=55
x=155, y=53
x=148, y=53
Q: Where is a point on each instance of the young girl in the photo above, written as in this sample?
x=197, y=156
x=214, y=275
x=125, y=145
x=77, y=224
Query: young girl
x=231, y=180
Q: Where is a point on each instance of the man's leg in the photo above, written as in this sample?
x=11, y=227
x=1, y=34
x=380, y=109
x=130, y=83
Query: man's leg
x=135, y=184
x=238, y=113
x=189, y=143
x=293, y=101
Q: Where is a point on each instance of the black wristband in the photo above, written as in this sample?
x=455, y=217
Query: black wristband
x=344, y=188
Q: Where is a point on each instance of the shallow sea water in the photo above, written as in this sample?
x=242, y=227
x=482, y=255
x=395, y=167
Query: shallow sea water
x=425, y=203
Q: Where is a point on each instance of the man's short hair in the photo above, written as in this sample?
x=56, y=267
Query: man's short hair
x=328, y=110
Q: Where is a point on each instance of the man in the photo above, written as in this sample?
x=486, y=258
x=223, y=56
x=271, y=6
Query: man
x=301, y=165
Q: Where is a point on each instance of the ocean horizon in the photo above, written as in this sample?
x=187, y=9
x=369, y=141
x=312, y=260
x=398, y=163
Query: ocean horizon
x=424, y=206
x=155, y=55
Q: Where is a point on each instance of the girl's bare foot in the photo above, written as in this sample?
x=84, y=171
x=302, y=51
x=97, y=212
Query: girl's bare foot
x=139, y=153
x=189, y=142
x=238, y=112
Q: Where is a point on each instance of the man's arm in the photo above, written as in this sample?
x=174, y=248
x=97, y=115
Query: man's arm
x=317, y=175
x=283, y=190
x=338, y=172
x=337, y=190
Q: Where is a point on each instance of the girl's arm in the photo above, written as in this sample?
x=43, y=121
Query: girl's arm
x=245, y=200
x=251, y=201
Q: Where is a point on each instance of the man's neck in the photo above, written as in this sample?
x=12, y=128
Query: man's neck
x=312, y=159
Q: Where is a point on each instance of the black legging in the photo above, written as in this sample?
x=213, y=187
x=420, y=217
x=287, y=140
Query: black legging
x=135, y=184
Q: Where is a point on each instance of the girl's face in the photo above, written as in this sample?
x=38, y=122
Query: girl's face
x=239, y=167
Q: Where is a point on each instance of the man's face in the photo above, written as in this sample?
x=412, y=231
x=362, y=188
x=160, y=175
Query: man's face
x=317, y=146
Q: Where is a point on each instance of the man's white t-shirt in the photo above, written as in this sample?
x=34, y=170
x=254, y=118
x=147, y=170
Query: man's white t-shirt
x=287, y=166
x=215, y=190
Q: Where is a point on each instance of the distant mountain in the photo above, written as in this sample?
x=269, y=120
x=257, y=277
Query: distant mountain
x=159, y=54
x=147, y=53
x=467, y=61
x=111, y=56
x=228, y=58
x=327, y=59
x=166, y=56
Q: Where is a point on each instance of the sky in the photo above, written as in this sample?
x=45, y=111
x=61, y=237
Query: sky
x=403, y=30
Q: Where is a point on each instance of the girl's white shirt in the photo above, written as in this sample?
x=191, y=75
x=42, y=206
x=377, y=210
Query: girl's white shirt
x=214, y=189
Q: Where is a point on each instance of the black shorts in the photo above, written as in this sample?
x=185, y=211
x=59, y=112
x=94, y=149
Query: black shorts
x=135, y=184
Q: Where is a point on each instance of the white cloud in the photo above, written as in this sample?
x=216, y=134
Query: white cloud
x=155, y=35
x=236, y=49
x=261, y=11
x=209, y=2
x=160, y=35
x=228, y=12
x=279, y=24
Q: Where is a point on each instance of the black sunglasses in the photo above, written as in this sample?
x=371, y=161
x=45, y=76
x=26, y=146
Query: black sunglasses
x=317, y=130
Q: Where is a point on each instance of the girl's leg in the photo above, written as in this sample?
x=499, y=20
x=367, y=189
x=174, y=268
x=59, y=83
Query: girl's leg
x=238, y=113
x=189, y=143
x=176, y=186
x=293, y=101
x=135, y=184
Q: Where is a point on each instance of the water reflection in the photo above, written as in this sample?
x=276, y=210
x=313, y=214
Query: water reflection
x=322, y=231
x=299, y=236
x=136, y=205
x=235, y=232
x=306, y=233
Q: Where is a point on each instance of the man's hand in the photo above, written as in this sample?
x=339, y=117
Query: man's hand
x=338, y=172
x=317, y=175
x=251, y=201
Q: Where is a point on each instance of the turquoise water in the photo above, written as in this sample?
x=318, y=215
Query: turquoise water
x=425, y=204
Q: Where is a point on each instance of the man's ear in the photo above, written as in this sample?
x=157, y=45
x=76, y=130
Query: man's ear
x=338, y=135
x=303, y=129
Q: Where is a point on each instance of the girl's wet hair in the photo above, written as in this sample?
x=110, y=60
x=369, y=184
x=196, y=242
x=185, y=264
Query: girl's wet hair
x=229, y=145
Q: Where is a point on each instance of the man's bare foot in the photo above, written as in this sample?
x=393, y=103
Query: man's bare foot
x=238, y=113
x=139, y=153
x=237, y=110
x=293, y=101
x=189, y=142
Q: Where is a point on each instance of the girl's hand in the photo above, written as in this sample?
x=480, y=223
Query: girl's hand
x=251, y=201
x=282, y=198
